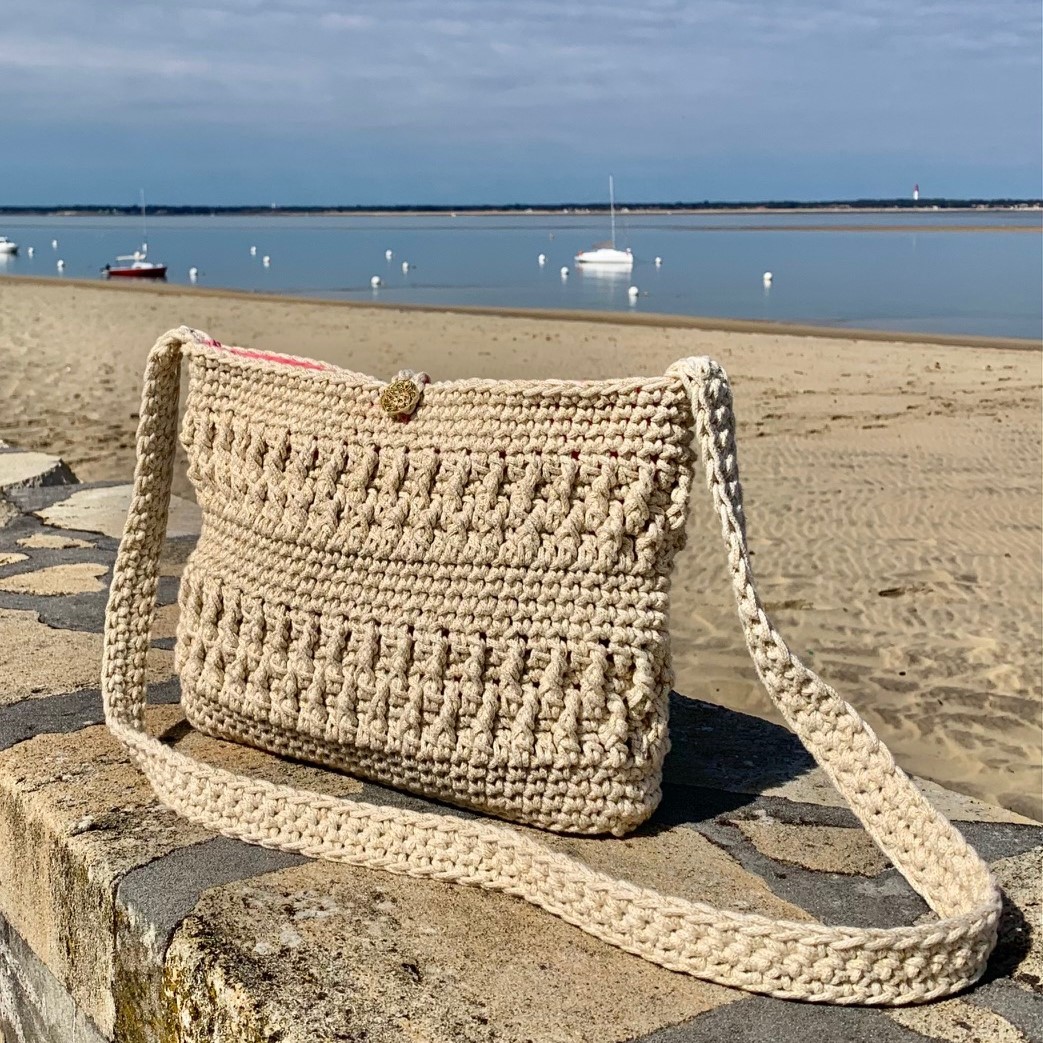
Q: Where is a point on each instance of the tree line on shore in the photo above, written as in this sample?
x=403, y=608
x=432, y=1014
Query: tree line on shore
x=904, y=203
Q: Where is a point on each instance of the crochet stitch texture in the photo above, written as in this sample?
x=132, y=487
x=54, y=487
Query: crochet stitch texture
x=472, y=603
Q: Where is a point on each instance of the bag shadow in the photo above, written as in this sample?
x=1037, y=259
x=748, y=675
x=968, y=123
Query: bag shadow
x=721, y=760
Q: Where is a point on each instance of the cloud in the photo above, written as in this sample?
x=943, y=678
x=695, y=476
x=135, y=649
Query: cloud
x=660, y=78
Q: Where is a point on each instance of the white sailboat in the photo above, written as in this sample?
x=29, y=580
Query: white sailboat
x=605, y=255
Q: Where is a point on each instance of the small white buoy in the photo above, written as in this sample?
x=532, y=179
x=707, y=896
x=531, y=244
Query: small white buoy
x=633, y=293
x=253, y=251
x=193, y=273
x=659, y=262
x=542, y=259
x=767, y=277
x=29, y=251
x=405, y=266
x=266, y=260
x=54, y=244
x=61, y=264
x=375, y=282
x=564, y=272
x=388, y=255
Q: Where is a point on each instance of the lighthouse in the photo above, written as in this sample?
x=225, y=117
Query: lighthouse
x=916, y=193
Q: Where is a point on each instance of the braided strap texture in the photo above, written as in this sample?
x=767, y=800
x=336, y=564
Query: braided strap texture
x=793, y=960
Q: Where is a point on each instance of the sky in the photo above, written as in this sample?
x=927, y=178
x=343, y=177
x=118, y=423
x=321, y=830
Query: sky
x=315, y=102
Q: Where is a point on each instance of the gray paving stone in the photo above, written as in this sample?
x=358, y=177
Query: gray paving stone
x=994, y=840
x=162, y=893
x=66, y=713
x=1022, y=1009
x=84, y=611
x=884, y=900
x=880, y=901
x=762, y=1020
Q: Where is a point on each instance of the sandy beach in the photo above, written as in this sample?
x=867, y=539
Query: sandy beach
x=893, y=488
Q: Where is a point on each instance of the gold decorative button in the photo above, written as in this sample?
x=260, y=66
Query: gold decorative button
x=400, y=397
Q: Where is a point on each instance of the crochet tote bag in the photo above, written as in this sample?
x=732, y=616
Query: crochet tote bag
x=460, y=589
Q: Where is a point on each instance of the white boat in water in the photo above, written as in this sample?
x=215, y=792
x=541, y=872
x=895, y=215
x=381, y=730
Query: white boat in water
x=138, y=268
x=136, y=265
x=606, y=255
x=6, y=246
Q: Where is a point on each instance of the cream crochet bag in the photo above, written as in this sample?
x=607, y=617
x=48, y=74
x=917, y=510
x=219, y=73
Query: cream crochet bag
x=461, y=589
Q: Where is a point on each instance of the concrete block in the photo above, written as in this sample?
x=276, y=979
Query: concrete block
x=34, y=1005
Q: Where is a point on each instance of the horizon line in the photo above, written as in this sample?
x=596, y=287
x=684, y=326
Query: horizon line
x=890, y=202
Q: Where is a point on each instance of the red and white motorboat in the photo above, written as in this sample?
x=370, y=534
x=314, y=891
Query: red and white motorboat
x=138, y=268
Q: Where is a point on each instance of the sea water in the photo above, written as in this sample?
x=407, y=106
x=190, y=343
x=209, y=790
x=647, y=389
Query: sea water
x=976, y=273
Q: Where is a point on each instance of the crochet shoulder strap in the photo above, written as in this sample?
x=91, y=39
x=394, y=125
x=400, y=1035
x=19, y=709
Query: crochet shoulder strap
x=792, y=960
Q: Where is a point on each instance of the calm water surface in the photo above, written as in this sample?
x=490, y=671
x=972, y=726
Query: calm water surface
x=937, y=272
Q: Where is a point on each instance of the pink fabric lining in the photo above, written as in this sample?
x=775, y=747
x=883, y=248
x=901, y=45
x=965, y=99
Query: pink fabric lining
x=268, y=356
x=265, y=356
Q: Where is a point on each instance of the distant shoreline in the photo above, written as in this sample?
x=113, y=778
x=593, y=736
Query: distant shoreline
x=922, y=207
x=766, y=226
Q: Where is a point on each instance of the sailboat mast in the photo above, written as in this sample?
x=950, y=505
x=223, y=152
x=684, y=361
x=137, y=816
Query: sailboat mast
x=612, y=209
x=144, y=225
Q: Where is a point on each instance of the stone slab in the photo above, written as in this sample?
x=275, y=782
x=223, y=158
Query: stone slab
x=47, y=541
x=78, y=578
x=30, y=500
x=412, y=959
x=72, y=823
x=75, y=819
x=37, y=660
x=25, y=470
x=104, y=510
x=305, y=952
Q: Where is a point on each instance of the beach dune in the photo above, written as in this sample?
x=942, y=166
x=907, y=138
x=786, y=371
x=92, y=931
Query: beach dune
x=893, y=488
